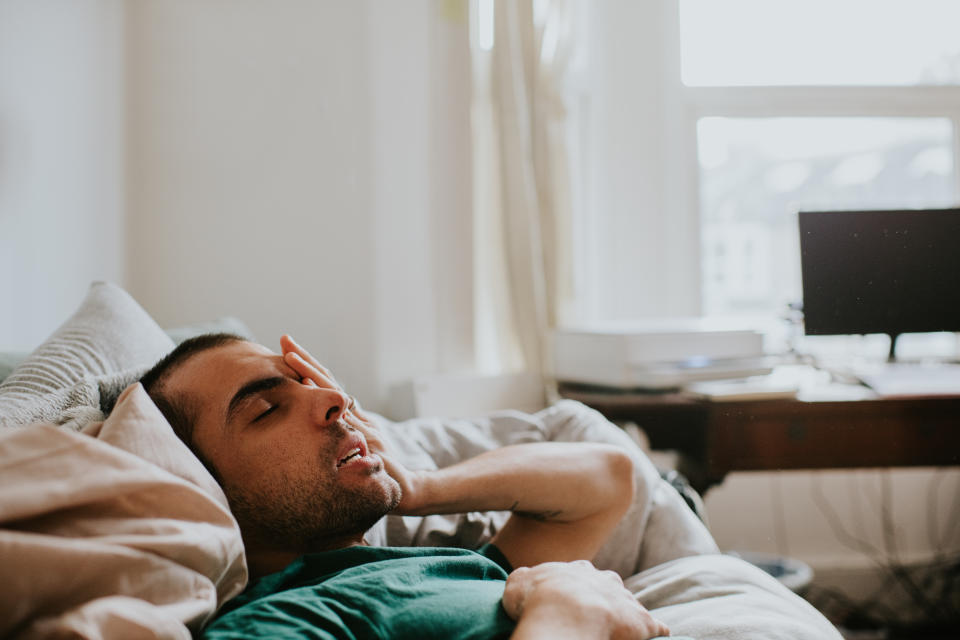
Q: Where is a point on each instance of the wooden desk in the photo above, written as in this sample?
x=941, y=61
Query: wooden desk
x=716, y=438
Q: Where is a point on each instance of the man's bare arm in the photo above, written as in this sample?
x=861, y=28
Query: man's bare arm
x=565, y=498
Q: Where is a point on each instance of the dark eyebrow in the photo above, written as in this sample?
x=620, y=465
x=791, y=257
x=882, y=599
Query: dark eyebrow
x=251, y=389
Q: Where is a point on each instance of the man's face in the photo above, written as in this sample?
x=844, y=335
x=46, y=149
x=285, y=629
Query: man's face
x=296, y=475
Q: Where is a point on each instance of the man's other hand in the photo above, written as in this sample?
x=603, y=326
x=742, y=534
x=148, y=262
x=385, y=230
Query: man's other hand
x=564, y=600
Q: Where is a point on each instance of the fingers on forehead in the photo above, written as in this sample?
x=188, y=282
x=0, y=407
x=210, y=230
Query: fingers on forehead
x=306, y=369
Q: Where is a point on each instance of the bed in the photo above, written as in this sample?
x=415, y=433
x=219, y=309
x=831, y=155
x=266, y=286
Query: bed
x=110, y=527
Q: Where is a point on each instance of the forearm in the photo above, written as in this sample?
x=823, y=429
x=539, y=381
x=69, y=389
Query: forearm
x=562, y=482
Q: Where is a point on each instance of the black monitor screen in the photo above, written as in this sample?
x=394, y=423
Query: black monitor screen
x=880, y=271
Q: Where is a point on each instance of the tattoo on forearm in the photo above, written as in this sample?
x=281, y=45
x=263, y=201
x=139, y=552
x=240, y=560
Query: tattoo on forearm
x=541, y=516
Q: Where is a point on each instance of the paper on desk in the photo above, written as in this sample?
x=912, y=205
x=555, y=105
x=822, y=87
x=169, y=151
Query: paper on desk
x=901, y=379
x=783, y=382
x=753, y=388
x=803, y=382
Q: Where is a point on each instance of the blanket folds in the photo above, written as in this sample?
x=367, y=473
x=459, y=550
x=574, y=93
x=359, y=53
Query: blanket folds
x=112, y=533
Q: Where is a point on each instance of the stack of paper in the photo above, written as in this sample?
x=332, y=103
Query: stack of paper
x=657, y=354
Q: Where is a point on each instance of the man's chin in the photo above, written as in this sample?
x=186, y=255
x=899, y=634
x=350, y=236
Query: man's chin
x=396, y=495
x=389, y=492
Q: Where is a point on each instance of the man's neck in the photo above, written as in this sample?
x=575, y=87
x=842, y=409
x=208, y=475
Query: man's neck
x=264, y=560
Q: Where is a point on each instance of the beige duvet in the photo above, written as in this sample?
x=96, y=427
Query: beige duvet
x=113, y=532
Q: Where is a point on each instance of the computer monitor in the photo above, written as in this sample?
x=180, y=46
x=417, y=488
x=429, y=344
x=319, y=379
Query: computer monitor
x=887, y=272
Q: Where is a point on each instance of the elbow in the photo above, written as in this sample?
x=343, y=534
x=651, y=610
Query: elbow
x=620, y=469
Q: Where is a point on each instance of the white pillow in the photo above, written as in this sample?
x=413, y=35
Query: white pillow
x=78, y=372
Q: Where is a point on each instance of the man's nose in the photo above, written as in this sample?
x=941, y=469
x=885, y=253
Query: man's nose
x=329, y=405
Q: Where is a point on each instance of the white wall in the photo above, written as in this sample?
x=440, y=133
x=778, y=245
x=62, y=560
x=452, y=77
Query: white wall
x=419, y=83
x=834, y=520
x=286, y=167
x=638, y=201
x=61, y=161
x=302, y=165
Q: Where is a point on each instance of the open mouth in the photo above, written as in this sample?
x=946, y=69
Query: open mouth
x=354, y=453
x=355, y=450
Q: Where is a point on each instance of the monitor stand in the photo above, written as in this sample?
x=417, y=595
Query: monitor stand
x=891, y=356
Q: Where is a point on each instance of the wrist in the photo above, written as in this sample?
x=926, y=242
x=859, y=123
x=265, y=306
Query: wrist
x=416, y=489
x=557, y=621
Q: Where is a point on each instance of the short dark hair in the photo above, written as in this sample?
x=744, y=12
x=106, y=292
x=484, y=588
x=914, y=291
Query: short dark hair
x=178, y=411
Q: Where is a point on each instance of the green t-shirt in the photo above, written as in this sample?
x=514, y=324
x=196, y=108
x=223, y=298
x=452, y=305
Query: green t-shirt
x=375, y=592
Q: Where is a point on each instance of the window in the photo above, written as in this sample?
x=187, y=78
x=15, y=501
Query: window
x=712, y=122
x=811, y=105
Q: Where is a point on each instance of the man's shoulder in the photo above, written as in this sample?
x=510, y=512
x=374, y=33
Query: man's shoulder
x=328, y=565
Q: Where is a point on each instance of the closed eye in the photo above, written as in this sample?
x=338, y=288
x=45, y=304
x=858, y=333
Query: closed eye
x=266, y=413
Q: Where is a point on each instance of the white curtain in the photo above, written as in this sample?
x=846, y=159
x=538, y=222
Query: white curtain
x=524, y=219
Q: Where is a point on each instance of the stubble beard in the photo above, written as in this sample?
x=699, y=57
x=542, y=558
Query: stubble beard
x=310, y=515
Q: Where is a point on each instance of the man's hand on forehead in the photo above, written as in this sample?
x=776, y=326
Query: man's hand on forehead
x=306, y=366
x=312, y=373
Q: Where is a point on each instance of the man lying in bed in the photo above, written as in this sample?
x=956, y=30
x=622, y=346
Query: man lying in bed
x=306, y=475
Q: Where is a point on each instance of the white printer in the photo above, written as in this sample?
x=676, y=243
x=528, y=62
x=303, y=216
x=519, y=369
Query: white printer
x=657, y=354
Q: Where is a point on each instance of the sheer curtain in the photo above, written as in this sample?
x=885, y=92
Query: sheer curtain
x=522, y=180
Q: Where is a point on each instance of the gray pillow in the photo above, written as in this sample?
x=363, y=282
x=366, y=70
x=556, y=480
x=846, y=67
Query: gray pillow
x=9, y=360
x=79, y=371
x=226, y=324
